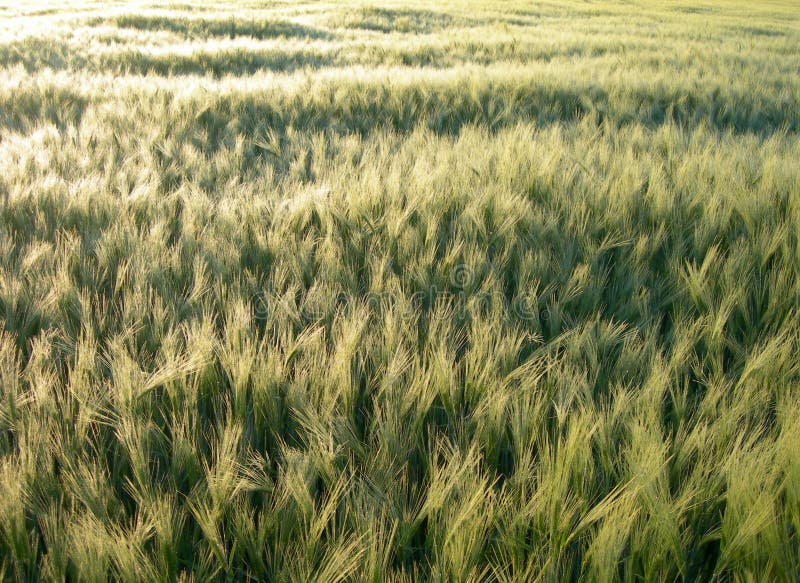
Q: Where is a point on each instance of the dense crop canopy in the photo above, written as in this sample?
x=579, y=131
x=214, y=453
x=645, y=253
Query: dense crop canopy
x=453, y=292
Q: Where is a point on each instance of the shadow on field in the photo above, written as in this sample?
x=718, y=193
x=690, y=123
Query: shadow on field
x=26, y=108
x=396, y=20
x=36, y=54
x=214, y=28
x=219, y=63
x=444, y=108
x=756, y=31
x=694, y=9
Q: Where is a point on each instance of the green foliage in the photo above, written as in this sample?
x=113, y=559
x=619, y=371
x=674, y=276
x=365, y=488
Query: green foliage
x=331, y=293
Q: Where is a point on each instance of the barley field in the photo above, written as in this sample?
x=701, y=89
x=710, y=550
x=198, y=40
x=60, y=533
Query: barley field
x=491, y=290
